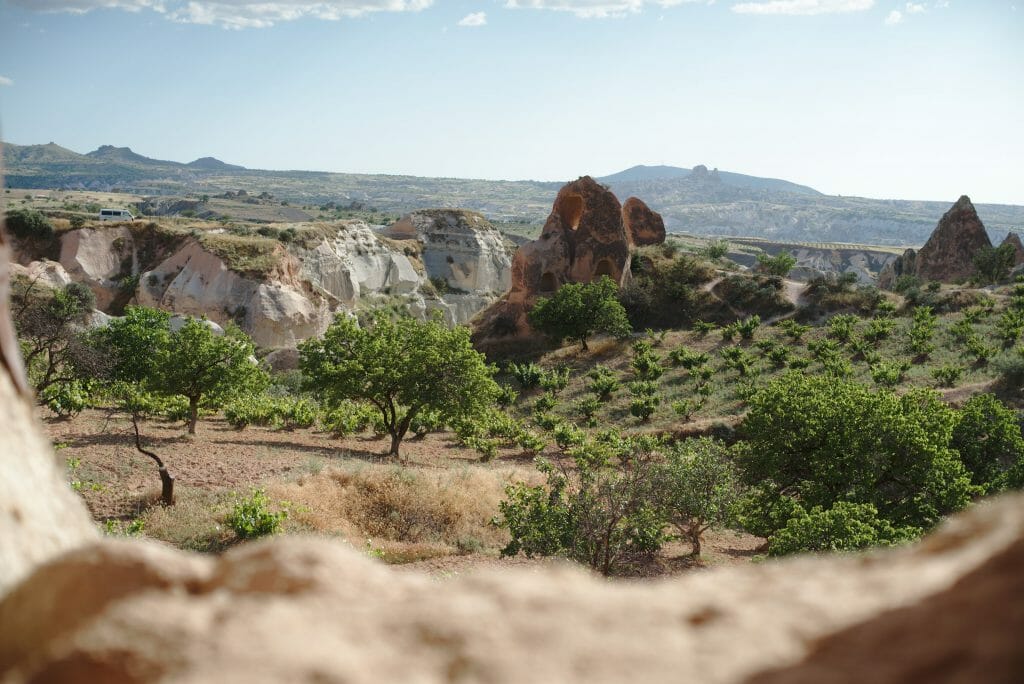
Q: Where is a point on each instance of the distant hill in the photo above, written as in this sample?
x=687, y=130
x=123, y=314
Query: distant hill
x=212, y=164
x=639, y=176
x=697, y=201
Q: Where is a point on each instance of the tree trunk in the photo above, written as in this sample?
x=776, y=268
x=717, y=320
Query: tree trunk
x=193, y=414
x=396, y=442
x=583, y=344
x=694, y=535
x=166, y=479
x=166, y=487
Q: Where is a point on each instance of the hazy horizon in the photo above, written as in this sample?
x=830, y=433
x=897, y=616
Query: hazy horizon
x=917, y=101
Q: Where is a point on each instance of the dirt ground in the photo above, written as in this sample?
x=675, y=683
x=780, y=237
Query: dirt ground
x=119, y=484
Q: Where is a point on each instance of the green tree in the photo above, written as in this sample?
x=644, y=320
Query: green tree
x=992, y=264
x=988, y=438
x=207, y=368
x=402, y=367
x=779, y=265
x=579, y=310
x=844, y=527
x=194, y=362
x=604, y=511
x=818, y=440
x=50, y=326
x=700, y=487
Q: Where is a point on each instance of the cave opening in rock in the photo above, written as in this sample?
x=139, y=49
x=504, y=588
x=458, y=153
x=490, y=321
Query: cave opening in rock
x=548, y=282
x=604, y=268
x=571, y=211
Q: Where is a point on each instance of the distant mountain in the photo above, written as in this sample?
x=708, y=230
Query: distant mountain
x=124, y=155
x=697, y=200
x=213, y=164
x=641, y=176
x=645, y=173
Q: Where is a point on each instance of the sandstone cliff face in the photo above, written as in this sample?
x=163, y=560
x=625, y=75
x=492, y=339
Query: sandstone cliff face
x=352, y=267
x=587, y=235
x=949, y=253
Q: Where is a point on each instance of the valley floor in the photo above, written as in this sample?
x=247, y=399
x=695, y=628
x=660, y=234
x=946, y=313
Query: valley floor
x=432, y=512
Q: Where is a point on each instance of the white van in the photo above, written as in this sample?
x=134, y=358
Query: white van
x=116, y=215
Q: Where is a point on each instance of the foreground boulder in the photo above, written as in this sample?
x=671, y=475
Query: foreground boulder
x=587, y=235
x=949, y=253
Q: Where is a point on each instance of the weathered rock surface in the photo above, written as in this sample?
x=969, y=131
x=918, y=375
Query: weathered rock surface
x=100, y=258
x=949, y=253
x=1018, y=247
x=643, y=226
x=587, y=235
x=352, y=266
x=461, y=247
x=195, y=282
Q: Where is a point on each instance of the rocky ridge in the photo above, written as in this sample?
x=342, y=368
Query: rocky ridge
x=450, y=261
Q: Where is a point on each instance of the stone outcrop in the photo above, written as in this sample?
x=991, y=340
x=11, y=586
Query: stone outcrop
x=1018, y=247
x=587, y=235
x=643, y=226
x=450, y=261
x=276, y=312
x=949, y=253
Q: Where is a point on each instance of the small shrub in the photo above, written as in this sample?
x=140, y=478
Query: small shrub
x=947, y=376
x=251, y=517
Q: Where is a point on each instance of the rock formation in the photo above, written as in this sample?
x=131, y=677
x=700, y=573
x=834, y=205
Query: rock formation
x=949, y=253
x=451, y=261
x=587, y=235
x=1018, y=247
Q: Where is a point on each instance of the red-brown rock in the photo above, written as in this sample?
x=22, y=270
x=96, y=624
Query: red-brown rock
x=1018, y=248
x=587, y=235
x=949, y=252
x=643, y=226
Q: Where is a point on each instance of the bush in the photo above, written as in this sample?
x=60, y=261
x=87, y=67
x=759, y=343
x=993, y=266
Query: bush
x=989, y=441
x=779, y=265
x=251, y=517
x=27, y=224
x=841, y=326
x=528, y=375
x=817, y=440
x=700, y=487
x=604, y=512
x=603, y=382
x=947, y=376
x=687, y=359
x=66, y=399
x=844, y=527
x=554, y=380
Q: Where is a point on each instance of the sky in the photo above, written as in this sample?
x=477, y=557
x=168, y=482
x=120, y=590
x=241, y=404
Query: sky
x=876, y=98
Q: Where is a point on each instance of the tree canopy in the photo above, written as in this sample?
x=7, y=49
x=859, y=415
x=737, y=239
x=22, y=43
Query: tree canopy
x=813, y=441
x=579, y=310
x=403, y=367
x=193, y=361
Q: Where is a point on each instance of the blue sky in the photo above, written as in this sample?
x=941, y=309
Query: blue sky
x=914, y=100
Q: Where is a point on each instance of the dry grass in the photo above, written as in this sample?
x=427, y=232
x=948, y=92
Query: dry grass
x=402, y=513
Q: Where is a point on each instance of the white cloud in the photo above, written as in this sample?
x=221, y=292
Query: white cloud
x=894, y=18
x=235, y=14
x=4, y=81
x=915, y=8
x=82, y=6
x=803, y=7
x=596, y=9
x=474, y=19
